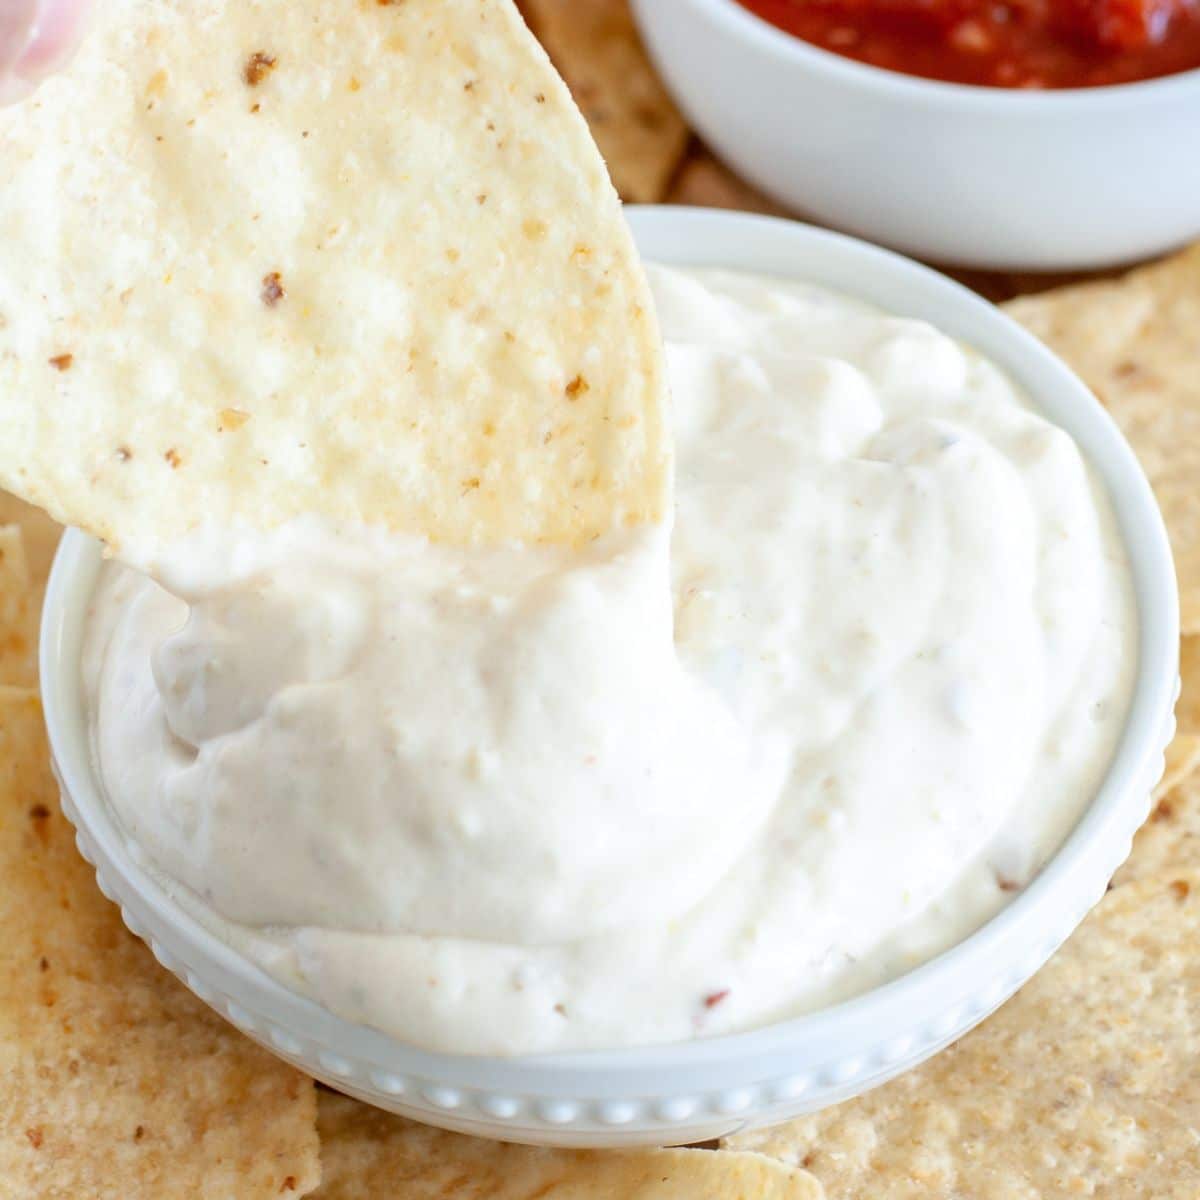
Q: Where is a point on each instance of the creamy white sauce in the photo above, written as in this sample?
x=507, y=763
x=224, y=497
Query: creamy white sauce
x=486, y=802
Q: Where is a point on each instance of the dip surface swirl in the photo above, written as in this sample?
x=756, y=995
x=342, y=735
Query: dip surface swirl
x=683, y=783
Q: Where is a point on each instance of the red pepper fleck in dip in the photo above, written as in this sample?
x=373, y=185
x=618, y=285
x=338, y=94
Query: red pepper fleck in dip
x=1002, y=43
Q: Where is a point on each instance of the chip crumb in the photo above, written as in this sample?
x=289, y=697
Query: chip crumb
x=1180, y=888
x=39, y=812
x=232, y=419
x=172, y=456
x=258, y=66
x=62, y=362
x=34, y=1134
x=715, y=998
x=272, y=289
x=577, y=387
x=43, y=963
x=139, y=1133
x=288, y=1184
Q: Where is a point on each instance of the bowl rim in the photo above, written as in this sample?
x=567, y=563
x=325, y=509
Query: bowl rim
x=695, y=236
x=739, y=22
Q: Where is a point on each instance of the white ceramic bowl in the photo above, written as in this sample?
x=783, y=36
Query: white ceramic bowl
x=696, y=1090
x=977, y=176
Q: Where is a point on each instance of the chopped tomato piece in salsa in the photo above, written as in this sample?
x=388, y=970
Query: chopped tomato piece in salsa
x=1002, y=43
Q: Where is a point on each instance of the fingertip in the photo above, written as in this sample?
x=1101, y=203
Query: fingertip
x=58, y=28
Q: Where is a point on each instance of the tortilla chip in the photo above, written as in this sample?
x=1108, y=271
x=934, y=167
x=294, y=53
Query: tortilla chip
x=370, y=1155
x=1183, y=754
x=1170, y=839
x=18, y=644
x=359, y=259
x=595, y=45
x=1182, y=758
x=115, y=1081
x=703, y=181
x=1187, y=709
x=1084, y=1084
x=1136, y=342
x=40, y=537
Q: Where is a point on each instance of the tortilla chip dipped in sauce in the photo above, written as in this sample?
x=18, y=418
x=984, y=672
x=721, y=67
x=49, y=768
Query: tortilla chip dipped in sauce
x=360, y=260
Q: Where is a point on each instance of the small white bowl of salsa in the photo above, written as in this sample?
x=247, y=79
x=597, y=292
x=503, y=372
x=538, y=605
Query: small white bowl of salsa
x=1059, y=135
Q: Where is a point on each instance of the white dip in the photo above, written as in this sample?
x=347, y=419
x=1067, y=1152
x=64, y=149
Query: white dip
x=484, y=802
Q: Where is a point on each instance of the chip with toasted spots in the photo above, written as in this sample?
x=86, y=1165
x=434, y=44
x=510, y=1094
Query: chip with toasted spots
x=115, y=1082
x=18, y=649
x=1084, y=1084
x=372, y=1155
x=1134, y=341
x=354, y=259
x=39, y=535
x=706, y=183
x=596, y=46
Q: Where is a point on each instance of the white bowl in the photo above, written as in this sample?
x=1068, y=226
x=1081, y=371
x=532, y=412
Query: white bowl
x=703, y=1089
x=988, y=177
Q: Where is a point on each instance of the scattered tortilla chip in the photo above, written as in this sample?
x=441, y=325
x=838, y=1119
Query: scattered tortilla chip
x=704, y=182
x=1170, y=839
x=1182, y=758
x=1136, y=342
x=40, y=537
x=1183, y=754
x=1084, y=1084
x=370, y=1155
x=115, y=1082
x=1187, y=709
x=595, y=44
x=361, y=259
x=18, y=645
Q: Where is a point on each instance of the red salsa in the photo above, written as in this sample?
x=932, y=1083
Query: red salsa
x=1002, y=43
